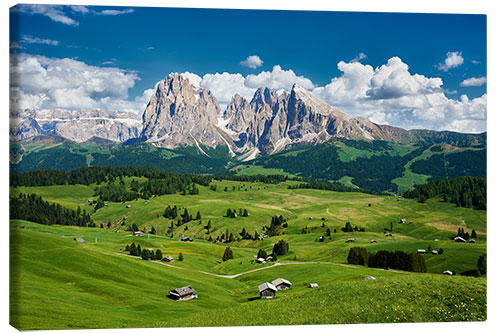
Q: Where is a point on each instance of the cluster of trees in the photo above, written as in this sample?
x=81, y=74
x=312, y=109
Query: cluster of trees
x=32, y=207
x=465, y=235
x=348, y=228
x=231, y=213
x=226, y=237
x=95, y=174
x=329, y=186
x=381, y=259
x=146, y=254
x=121, y=193
x=184, y=217
x=266, y=179
x=463, y=191
x=170, y=213
x=263, y=254
x=277, y=224
x=280, y=248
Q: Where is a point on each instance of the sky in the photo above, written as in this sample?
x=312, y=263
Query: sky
x=402, y=69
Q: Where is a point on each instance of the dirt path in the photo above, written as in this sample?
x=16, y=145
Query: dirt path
x=250, y=271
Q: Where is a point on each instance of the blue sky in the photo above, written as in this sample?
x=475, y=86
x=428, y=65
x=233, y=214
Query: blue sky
x=342, y=57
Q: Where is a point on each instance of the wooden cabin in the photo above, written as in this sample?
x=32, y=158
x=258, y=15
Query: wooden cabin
x=183, y=293
x=267, y=290
x=313, y=285
x=168, y=259
x=282, y=284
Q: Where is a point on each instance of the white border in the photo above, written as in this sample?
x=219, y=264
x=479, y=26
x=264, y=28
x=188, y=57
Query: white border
x=420, y=6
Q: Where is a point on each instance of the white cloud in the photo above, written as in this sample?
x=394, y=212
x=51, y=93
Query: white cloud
x=252, y=61
x=277, y=79
x=359, y=57
x=453, y=59
x=35, y=40
x=390, y=94
x=41, y=82
x=114, y=12
x=54, y=12
x=473, y=82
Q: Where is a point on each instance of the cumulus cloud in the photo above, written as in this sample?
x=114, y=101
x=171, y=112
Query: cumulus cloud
x=252, y=61
x=390, y=94
x=114, y=12
x=473, y=82
x=41, y=82
x=453, y=59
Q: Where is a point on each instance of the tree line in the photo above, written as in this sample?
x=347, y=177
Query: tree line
x=381, y=259
x=90, y=175
x=266, y=179
x=32, y=207
x=463, y=191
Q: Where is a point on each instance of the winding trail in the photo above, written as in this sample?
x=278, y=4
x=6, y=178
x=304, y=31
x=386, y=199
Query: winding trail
x=257, y=269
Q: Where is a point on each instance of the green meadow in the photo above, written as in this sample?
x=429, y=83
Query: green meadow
x=58, y=283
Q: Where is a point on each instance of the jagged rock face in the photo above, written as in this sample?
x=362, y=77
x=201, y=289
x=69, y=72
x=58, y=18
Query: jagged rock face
x=78, y=126
x=180, y=114
x=271, y=122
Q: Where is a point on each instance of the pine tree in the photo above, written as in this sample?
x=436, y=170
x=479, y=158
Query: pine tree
x=181, y=257
x=158, y=255
x=228, y=254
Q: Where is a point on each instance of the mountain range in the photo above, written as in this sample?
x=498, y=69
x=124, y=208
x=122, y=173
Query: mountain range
x=180, y=114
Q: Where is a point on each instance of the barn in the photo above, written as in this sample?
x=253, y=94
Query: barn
x=183, y=293
x=282, y=284
x=267, y=290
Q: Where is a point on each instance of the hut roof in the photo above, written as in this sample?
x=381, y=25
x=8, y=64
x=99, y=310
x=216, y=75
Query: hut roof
x=183, y=291
x=279, y=281
x=266, y=285
x=369, y=278
x=313, y=285
x=80, y=240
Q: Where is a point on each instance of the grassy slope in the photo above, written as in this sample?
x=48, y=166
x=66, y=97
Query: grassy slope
x=92, y=279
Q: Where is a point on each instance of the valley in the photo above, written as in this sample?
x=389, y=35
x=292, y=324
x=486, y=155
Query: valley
x=98, y=277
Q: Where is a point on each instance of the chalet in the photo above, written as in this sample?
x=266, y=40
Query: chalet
x=267, y=290
x=350, y=240
x=472, y=240
x=369, y=278
x=80, y=240
x=183, y=293
x=411, y=222
x=448, y=272
x=373, y=241
x=434, y=252
x=282, y=284
x=388, y=235
x=270, y=258
x=186, y=239
x=323, y=219
x=128, y=206
x=107, y=205
x=459, y=239
x=421, y=251
x=313, y=285
x=310, y=218
x=146, y=202
x=261, y=260
x=402, y=221
x=90, y=200
x=138, y=233
x=168, y=259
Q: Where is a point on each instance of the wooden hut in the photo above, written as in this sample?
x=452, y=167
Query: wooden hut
x=282, y=284
x=183, y=293
x=267, y=290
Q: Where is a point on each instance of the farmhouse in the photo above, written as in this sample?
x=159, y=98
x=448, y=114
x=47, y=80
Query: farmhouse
x=388, y=235
x=350, y=240
x=267, y=290
x=421, y=251
x=128, y=206
x=138, y=233
x=402, y=221
x=448, y=272
x=261, y=260
x=434, y=252
x=168, y=259
x=80, y=240
x=282, y=284
x=373, y=241
x=369, y=278
x=459, y=239
x=269, y=258
x=313, y=285
x=472, y=240
x=183, y=293
x=186, y=239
